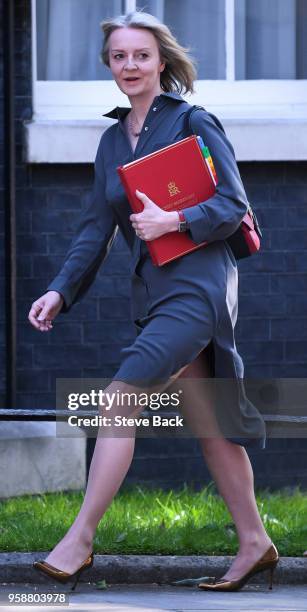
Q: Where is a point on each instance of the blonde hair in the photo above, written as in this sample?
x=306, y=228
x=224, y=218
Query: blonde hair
x=180, y=67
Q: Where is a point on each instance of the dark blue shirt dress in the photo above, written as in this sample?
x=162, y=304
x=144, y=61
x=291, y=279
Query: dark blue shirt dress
x=182, y=307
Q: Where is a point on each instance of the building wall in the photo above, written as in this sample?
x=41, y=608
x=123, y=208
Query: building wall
x=272, y=330
x=272, y=325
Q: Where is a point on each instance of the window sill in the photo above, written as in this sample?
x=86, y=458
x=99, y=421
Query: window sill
x=261, y=137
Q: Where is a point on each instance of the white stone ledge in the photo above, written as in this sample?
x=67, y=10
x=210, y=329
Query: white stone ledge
x=34, y=459
x=254, y=139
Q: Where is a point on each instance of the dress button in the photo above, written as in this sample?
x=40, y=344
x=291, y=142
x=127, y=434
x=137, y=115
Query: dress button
x=155, y=108
x=146, y=128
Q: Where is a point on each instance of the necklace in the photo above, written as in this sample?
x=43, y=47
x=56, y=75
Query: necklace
x=135, y=131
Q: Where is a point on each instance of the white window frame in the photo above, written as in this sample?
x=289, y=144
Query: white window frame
x=265, y=119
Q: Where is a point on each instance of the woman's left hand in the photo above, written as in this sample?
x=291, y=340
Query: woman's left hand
x=153, y=221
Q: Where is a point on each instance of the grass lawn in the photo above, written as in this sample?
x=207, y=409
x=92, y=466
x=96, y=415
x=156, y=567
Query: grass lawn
x=152, y=521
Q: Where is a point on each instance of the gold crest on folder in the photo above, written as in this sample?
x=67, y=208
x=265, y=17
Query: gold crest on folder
x=172, y=188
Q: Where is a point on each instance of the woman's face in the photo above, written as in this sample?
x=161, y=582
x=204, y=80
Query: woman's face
x=134, y=54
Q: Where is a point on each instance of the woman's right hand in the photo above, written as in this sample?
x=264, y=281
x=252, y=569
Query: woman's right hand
x=45, y=309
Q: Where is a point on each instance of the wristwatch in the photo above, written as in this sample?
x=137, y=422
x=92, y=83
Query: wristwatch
x=183, y=224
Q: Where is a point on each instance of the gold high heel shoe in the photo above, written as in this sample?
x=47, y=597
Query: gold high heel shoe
x=268, y=561
x=60, y=575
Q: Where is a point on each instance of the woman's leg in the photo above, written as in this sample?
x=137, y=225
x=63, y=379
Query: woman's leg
x=230, y=468
x=111, y=460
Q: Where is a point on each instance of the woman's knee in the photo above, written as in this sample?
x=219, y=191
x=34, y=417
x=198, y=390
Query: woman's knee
x=122, y=401
x=219, y=446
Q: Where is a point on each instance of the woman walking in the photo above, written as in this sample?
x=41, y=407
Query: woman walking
x=184, y=311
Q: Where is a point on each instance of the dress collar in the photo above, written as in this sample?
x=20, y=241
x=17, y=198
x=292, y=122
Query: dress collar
x=120, y=111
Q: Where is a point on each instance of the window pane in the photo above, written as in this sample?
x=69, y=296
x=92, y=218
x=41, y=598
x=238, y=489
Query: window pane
x=270, y=40
x=198, y=24
x=69, y=38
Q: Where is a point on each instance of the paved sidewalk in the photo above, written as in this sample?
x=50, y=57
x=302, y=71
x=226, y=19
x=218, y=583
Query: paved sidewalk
x=154, y=598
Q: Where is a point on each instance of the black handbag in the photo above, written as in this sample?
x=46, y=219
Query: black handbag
x=246, y=239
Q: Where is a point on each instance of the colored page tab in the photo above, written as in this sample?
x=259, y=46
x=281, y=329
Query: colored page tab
x=207, y=155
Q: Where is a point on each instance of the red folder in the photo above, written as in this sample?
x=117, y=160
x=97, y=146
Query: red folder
x=174, y=177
